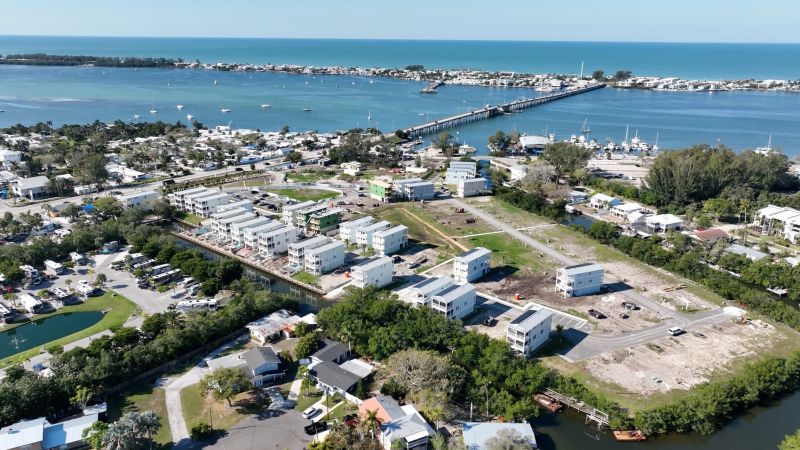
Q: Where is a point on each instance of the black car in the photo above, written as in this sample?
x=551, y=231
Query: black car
x=596, y=314
x=316, y=427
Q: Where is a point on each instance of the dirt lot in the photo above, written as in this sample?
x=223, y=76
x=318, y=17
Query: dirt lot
x=619, y=267
x=683, y=361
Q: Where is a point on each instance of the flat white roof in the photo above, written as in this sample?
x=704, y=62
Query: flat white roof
x=391, y=231
x=377, y=262
x=454, y=292
x=582, y=268
x=475, y=253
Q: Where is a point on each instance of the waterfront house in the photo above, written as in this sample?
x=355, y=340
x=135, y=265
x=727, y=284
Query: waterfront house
x=663, y=222
x=325, y=258
x=579, y=279
x=529, y=331
x=471, y=187
x=297, y=250
x=391, y=240
x=750, y=253
x=455, y=302
x=205, y=206
x=251, y=234
x=710, y=235
x=779, y=220
x=222, y=227
x=272, y=243
x=246, y=205
x=178, y=199
x=366, y=234
x=398, y=423
x=624, y=209
x=238, y=229
x=422, y=293
x=191, y=200
x=460, y=170
x=349, y=230
x=603, y=201
x=471, y=265
x=32, y=188
x=476, y=435
x=377, y=272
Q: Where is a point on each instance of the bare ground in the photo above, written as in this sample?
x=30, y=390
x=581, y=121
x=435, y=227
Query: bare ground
x=684, y=361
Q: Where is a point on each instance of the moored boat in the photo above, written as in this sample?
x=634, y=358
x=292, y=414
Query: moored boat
x=547, y=402
x=629, y=436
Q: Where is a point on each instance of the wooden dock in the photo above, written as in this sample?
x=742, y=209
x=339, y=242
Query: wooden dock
x=249, y=262
x=492, y=111
x=593, y=415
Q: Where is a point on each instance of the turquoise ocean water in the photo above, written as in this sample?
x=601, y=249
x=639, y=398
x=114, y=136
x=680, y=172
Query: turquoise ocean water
x=81, y=94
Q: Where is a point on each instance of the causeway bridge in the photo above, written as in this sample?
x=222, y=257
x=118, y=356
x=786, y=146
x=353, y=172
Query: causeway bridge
x=492, y=111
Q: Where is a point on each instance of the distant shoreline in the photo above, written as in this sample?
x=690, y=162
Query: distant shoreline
x=457, y=77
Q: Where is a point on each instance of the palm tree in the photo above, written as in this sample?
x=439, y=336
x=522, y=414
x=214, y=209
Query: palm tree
x=372, y=422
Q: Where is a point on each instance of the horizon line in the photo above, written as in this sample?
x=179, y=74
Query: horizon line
x=400, y=39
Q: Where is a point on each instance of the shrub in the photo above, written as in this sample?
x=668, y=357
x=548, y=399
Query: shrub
x=201, y=431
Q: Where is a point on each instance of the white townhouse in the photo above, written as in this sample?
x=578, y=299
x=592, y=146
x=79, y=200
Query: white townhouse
x=31, y=188
x=460, y=170
x=325, y=258
x=603, y=201
x=377, y=272
x=251, y=234
x=580, y=279
x=349, y=230
x=422, y=293
x=297, y=250
x=471, y=187
x=222, y=227
x=471, y=265
x=177, y=199
x=365, y=235
x=205, y=206
x=386, y=242
x=455, y=302
x=288, y=211
x=529, y=331
x=246, y=205
x=238, y=229
x=277, y=241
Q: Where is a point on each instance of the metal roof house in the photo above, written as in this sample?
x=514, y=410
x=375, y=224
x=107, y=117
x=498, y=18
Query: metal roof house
x=580, y=279
x=529, y=331
x=471, y=265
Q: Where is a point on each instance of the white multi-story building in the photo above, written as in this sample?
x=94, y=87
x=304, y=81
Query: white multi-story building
x=246, y=205
x=365, y=235
x=251, y=234
x=422, y=293
x=386, y=242
x=460, y=170
x=455, y=302
x=529, y=331
x=325, y=258
x=348, y=231
x=473, y=186
x=177, y=199
x=288, y=211
x=222, y=227
x=580, y=279
x=277, y=241
x=471, y=265
x=238, y=229
x=30, y=188
x=205, y=206
x=378, y=272
x=352, y=168
x=297, y=250
x=413, y=189
x=140, y=200
x=190, y=200
x=229, y=213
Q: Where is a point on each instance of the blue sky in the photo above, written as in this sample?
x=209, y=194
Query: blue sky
x=616, y=20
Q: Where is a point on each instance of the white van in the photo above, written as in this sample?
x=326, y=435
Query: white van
x=675, y=331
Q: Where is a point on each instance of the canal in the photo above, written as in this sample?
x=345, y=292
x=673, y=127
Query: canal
x=40, y=332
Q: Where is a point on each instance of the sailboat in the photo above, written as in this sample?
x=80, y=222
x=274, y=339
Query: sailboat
x=179, y=107
x=215, y=81
x=189, y=117
x=585, y=128
x=153, y=110
x=135, y=116
x=369, y=115
x=655, y=146
x=765, y=150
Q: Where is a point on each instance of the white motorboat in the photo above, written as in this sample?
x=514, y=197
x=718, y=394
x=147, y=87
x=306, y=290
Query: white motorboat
x=306, y=109
x=189, y=117
x=225, y=110
x=153, y=110
x=180, y=107
x=265, y=106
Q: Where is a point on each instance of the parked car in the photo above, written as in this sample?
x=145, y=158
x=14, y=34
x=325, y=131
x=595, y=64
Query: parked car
x=675, y=331
x=699, y=334
x=630, y=305
x=310, y=412
x=315, y=427
x=596, y=314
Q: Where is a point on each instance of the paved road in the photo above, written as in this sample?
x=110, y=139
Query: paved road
x=587, y=345
x=122, y=281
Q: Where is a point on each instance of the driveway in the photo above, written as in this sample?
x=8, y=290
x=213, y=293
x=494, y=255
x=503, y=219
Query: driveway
x=123, y=282
x=280, y=430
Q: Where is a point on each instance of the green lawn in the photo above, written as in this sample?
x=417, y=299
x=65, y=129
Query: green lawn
x=342, y=410
x=307, y=398
x=199, y=408
x=119, y=310
x=305, y=277
x=302, y=195
x=142, y=397
x=192, y=219
x=422, y=232
x=512, y=252
x=310, y=175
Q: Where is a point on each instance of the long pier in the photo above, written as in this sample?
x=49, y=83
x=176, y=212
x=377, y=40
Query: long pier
x=492, y=111
x=592, y=414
